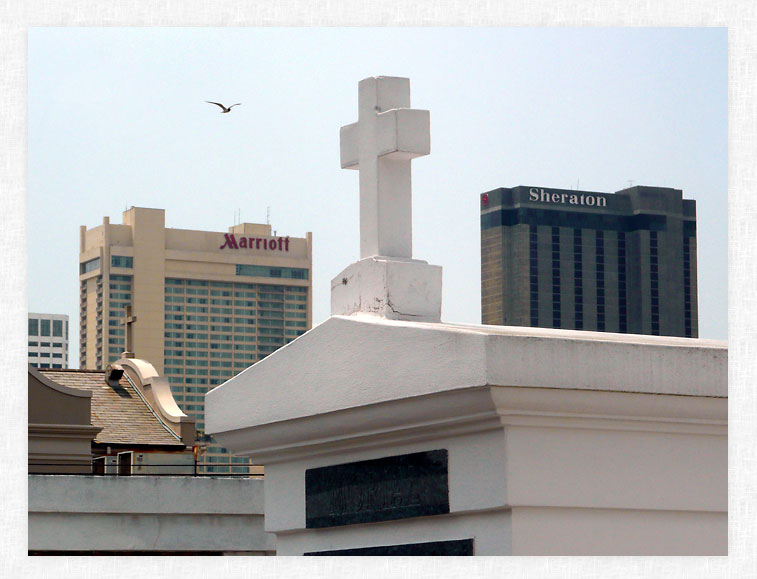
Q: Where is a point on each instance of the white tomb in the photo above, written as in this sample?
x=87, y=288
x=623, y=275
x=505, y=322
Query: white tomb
x=385, y=431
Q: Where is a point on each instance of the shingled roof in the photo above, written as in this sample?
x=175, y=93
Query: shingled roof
x=125, y=418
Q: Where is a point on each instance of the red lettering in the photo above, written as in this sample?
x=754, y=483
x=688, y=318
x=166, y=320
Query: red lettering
x=230, y=241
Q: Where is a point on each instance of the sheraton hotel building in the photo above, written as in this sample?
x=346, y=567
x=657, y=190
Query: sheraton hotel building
x=557, y=258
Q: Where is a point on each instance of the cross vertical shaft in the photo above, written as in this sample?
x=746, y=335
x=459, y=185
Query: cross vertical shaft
x=128, y=321
x=380, y=145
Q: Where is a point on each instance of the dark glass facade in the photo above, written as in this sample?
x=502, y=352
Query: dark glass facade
x=622, y=262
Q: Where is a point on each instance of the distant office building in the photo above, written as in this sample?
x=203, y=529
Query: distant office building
x=204, y=305
x=48, y=340
x=558, y=258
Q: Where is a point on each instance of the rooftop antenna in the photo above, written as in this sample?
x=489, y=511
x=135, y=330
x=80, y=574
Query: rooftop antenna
x=631, y=182
x=268, y=215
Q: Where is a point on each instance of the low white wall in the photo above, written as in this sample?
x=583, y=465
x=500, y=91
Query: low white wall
x=95, y=513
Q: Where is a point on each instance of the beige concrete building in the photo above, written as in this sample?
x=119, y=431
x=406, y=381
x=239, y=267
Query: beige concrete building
x=204, y=305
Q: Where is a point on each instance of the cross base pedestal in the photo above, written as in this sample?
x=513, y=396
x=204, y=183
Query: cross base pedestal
x=394, y=288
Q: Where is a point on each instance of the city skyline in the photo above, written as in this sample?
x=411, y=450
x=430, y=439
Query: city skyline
x=590, y=109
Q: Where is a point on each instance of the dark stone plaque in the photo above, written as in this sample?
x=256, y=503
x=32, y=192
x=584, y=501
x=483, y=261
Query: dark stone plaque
x=436, y=548
x=383, y=489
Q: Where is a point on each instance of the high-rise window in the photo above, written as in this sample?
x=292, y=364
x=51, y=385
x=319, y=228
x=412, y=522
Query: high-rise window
x=121, y=261
x=90, y=265
x=654, y=283
x=600, y=249
x=556, y=277
x=687, y=287
x=33, y=327
x=622, y=297
x=265, y=271
x=578, y=289
x=534, y=274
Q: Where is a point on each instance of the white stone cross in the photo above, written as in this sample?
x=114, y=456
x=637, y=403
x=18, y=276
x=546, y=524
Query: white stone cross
x=380, y=145
x=128, y=321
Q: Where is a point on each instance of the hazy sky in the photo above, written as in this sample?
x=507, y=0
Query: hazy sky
x=117, y=118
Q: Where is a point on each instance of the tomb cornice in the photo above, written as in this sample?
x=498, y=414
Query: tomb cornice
x=455, y=413
x=475, y=409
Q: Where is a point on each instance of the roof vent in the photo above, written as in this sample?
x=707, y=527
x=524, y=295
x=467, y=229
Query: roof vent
x=113, y=374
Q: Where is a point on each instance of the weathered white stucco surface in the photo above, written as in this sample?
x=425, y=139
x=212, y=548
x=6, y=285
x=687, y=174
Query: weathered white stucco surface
x=393, y=288
x=352, y=361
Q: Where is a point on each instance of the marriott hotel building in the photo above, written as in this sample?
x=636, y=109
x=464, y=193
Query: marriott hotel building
x=206, y=305
x=557, y=258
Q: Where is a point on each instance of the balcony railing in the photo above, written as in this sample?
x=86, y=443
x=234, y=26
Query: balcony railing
x=123, y=469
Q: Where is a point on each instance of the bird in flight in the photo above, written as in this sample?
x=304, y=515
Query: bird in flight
x=224, y=108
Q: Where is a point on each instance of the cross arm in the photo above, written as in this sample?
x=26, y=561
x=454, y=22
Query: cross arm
x=404, y=134
x=349, y=149
x=401, y=134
